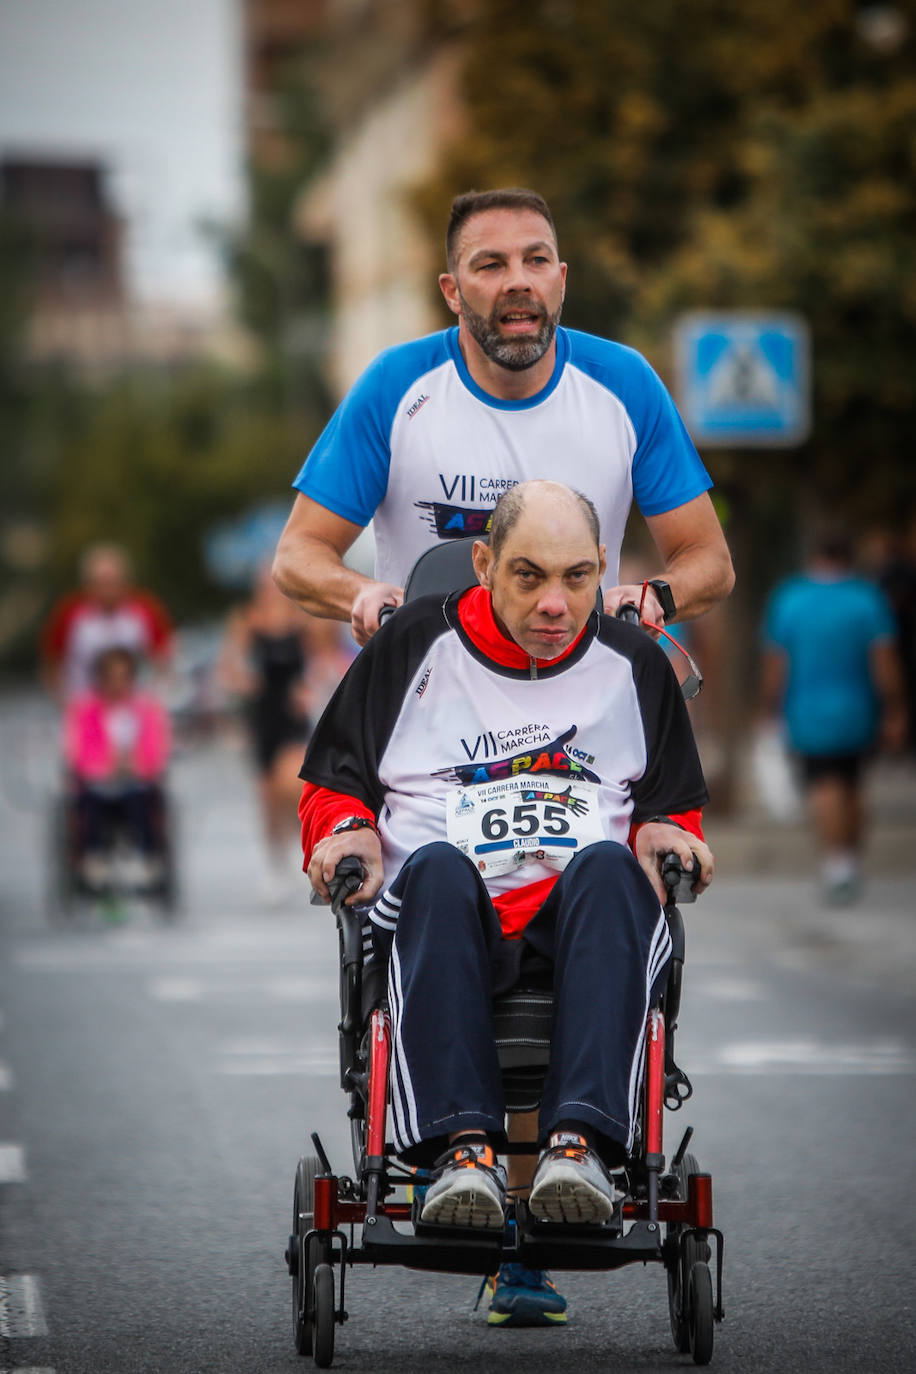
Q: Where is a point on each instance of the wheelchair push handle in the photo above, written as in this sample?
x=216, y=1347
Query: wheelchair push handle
x=348, y=876
x=679, y=880
x=628, y=613
x=385, y=613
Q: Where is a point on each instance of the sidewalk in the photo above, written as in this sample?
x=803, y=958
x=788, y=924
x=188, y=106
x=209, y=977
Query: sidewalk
x=767, y=875
x=752, y=842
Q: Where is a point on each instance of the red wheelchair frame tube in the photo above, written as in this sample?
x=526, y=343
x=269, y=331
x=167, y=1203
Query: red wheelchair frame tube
x=655, y=1082
x=379, y=1056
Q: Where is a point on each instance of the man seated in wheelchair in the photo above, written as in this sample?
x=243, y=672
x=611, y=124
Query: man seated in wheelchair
x=116, y=747
x=509, y=766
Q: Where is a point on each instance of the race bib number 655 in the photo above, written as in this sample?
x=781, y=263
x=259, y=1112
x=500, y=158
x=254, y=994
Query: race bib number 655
x=500, y=825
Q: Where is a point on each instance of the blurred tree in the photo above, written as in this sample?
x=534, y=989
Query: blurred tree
x=701, y=154
x=16, y=263
x=155, y=462
x=280, y=279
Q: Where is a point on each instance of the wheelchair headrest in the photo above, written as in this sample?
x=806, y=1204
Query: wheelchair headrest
x=446, y=567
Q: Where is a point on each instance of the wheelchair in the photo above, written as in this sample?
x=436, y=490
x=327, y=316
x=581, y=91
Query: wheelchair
x=69, y=885
x=371, y=1217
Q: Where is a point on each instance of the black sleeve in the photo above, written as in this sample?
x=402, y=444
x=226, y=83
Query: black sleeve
x=355, y=727
x=673, y=780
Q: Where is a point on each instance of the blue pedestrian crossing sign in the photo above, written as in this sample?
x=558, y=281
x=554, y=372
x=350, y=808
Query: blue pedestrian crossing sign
x=743, y=379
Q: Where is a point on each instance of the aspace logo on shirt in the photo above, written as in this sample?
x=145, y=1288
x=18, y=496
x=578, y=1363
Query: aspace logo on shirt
x=450, y=520
x=454, y=522
x=550, y=757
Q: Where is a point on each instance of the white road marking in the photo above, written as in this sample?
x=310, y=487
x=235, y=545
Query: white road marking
x=807, y=1056
x=21, y=1311
x=728, y=990
x=291, y=988
x=6, y=1077
x=177, y=989
x=275, y=1058
x=174, y=951
x=287, y=988
x=12, y=1164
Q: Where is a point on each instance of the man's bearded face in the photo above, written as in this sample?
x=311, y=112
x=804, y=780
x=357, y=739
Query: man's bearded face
x=515, y=353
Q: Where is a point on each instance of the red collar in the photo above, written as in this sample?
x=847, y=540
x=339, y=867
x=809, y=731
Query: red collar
x=475, y=611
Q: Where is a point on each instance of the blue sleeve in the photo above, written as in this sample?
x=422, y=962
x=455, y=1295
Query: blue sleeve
x=347, y=470
x=667, y=470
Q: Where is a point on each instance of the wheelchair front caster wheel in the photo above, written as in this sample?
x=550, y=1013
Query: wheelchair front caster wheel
x=323, y=1315
x=700, y=1312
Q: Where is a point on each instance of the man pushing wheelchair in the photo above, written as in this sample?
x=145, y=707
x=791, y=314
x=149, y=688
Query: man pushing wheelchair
x=510, y=765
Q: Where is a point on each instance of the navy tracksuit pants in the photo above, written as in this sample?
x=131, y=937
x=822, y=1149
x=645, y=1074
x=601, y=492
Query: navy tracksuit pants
x=602, y=930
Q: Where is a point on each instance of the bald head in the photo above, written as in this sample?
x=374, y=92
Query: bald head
x=545, y=502
x=543, y=565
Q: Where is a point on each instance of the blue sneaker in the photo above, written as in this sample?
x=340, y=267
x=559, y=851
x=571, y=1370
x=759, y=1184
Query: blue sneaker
x=524, y=1297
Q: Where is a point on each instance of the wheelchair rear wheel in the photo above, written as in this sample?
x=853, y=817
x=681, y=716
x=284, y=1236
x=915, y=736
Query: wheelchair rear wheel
x=62, y=858
x=300, y=1263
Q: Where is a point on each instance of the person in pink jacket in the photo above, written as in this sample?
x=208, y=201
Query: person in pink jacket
x=116, y=746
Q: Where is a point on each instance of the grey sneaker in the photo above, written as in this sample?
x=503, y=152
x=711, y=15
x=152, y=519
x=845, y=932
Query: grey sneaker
x=571, y=1184
x=468, y=1189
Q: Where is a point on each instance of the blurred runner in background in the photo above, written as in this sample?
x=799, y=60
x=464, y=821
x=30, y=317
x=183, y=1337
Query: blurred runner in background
x=831, y=666
x=283, y=665
x=106, y=612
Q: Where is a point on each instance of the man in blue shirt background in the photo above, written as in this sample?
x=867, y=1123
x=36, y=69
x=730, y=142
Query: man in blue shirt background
x=831, y=666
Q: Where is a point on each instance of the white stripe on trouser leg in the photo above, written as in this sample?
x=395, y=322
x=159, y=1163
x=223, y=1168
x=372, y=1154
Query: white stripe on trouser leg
x=385, y=912
x=659, y=952
x=402, y=1093
x=410, y=1101
x=397, y=1111
x=387, y=907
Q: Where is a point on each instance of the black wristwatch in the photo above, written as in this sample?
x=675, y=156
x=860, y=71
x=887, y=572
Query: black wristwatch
x=665, y=598
x=352, y=823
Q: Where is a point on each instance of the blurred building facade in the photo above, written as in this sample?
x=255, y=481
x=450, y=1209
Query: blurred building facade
x=80, y=311
x=274, y=32
x=78, y=305
x=391, y=86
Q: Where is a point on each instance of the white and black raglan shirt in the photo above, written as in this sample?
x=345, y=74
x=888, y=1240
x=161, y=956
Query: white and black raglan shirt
x=418, y=448
x=519, y=766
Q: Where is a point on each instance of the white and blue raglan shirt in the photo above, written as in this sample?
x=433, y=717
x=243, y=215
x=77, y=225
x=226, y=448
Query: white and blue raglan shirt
x=420, y=448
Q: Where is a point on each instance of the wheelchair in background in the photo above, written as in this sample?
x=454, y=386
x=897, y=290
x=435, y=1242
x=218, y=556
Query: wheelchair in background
x=121, y=868
x=371, y=1217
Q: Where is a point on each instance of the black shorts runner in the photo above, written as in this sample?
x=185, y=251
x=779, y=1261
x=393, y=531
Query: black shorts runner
x=847, y=767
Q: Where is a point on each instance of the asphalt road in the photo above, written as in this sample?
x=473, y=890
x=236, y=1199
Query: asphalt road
x=157, y=1085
